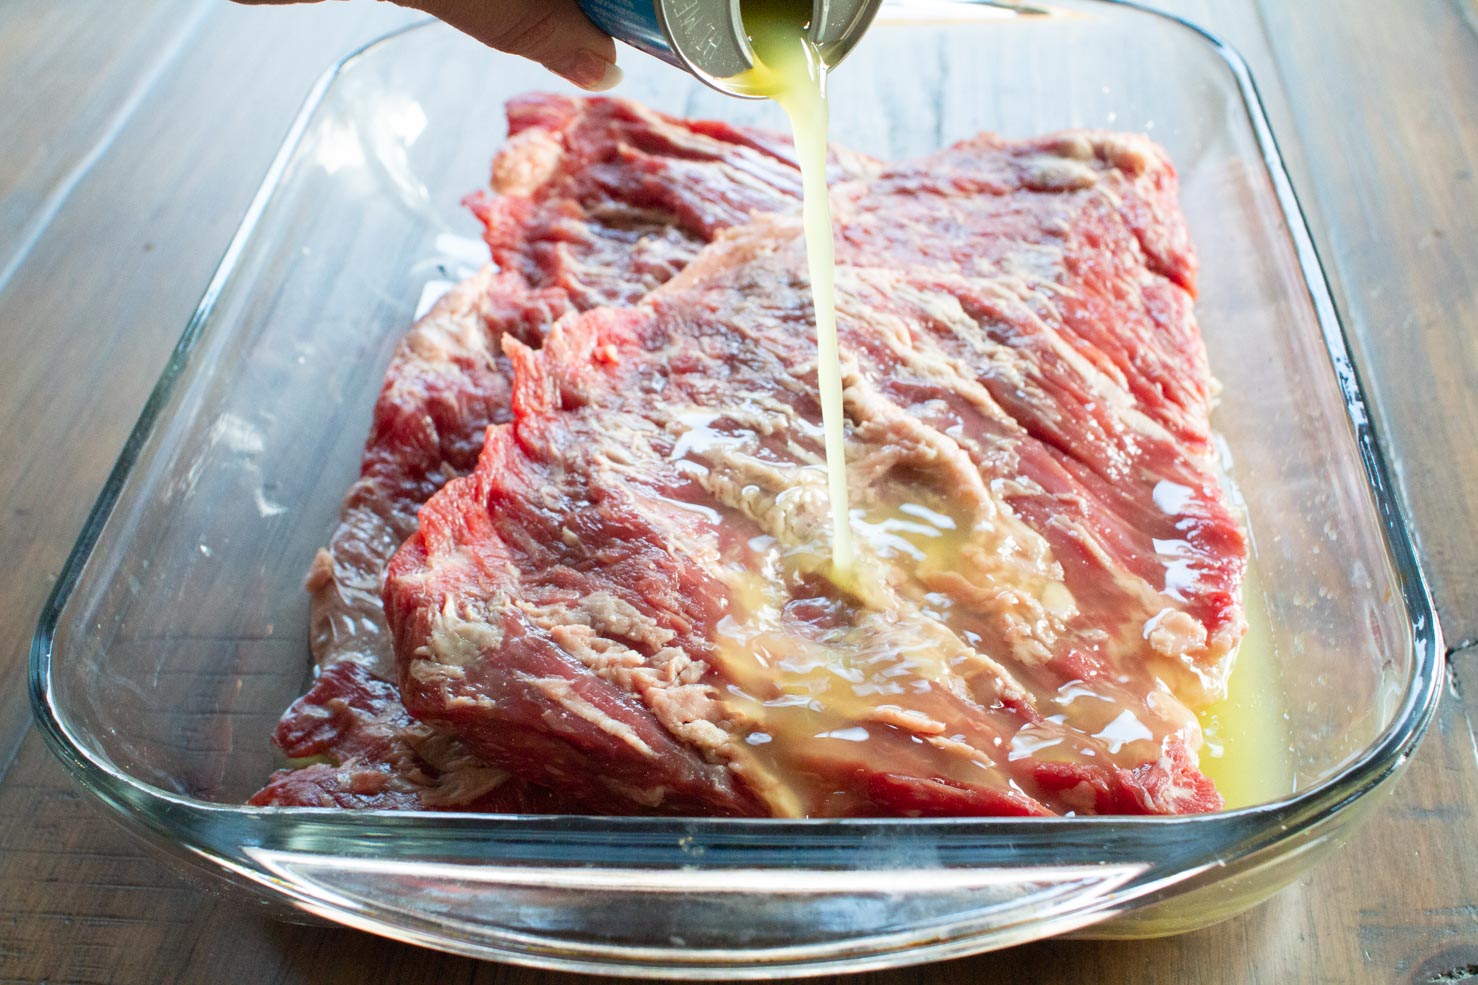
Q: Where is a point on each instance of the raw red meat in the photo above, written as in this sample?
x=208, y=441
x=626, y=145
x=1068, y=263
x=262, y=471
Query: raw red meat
x=628, y=601
x=596, y=201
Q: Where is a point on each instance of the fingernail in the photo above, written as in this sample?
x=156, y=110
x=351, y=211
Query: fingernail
x=591, y=72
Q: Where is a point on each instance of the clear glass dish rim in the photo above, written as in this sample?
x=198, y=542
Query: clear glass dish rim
x=198, y=824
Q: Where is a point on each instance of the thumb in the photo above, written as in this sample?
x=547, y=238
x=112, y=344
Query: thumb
x=554, y=33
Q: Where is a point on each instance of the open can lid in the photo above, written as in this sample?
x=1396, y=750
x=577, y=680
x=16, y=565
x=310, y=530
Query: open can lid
x=710, y=40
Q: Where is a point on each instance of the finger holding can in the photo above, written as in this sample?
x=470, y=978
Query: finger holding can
x=554, y=33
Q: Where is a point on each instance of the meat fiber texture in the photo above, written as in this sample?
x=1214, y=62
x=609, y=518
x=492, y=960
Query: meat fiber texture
x=627, y=606
x=594, y=202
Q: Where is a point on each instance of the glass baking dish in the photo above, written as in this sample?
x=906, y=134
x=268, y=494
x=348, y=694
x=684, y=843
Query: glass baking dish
x=177, y=632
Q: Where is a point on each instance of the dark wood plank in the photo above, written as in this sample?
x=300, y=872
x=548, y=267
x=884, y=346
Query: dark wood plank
x=1385, y=107
x=116, y=270
x=78, y=72
x=119, y=268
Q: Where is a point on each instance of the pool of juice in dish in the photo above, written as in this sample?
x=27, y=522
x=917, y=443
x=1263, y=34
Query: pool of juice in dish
x=1248, y=752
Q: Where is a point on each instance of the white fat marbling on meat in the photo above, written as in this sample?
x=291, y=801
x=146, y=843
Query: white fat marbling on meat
x=1047, y=172
x=560, y=691
x=526, y=162
x=952, y=375
x=458, y=640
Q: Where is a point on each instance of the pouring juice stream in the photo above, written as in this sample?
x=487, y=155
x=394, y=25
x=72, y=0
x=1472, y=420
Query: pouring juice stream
x=790, y=70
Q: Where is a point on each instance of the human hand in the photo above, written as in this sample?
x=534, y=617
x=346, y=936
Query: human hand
x=554, y=33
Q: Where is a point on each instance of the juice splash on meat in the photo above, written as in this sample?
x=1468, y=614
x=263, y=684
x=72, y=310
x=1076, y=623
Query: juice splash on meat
x=825, y=685
x=792, y=72
x=1245, y=750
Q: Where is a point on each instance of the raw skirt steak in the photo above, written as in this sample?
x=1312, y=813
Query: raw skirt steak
x=627, y=605
x=595, y=202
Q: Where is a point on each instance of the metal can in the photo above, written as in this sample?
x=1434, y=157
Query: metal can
x=707, y=37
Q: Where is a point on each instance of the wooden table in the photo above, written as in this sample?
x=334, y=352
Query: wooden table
x=132, y=134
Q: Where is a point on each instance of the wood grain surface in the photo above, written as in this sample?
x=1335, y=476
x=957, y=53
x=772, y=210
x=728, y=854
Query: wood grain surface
x=135, y=132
